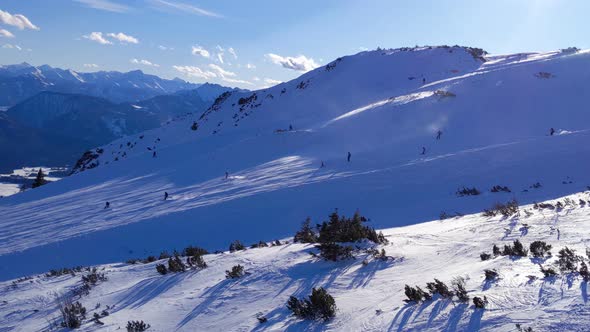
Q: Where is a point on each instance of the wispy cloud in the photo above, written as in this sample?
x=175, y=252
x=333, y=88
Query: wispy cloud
x=183, y=7
x=195, y=72
x=101, y=38
x=250, y=66
x=232, y=52
x=11, y=46
x=227, y=76
x=198, y=50
x=271, y=82
x=165, y=48
x=106, y=5
x=221, y=71
x=17, y=20
x=90, y=65
x=6, y=33
x=123, y=38
x=144, y=62
x=97, y=37
x=299, y=63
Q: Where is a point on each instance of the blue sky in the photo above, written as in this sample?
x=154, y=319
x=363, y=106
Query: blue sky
x=256, y=43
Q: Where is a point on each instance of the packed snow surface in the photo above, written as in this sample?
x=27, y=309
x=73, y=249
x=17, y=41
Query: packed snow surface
x=369, y=297
x=385, y=107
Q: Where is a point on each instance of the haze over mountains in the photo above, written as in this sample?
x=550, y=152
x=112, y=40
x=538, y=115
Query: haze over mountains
x=57, y=114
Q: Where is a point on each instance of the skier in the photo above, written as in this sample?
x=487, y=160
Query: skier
x=107, y=205
x=348, y=158
x=322, y=166
x=551, y=132
x=438, y=134
x=226, y=175
x=154, y=154
x=165, y=195
x=423, y=81
x=290, y=127
x=423, y=150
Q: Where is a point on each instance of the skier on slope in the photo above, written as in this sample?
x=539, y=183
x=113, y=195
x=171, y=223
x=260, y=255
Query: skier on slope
x=348, y=158
x=165, y=195
x=551, y=132
x=226, y=175
x=423, y=150
x=290, y=127
x=423, y=81
x=154, y=154
x=107, y=205
x=322, y=165
x=438, y=134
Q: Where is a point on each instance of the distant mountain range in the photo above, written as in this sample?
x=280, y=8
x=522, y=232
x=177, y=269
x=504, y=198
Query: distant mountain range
x=21, y=81
x=54, y=115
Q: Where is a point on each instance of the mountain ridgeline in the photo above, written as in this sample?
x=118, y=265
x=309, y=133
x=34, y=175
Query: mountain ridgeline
x=55, y=128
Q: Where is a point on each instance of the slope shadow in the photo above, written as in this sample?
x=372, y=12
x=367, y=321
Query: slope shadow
x=209, y=296
x=405, y=313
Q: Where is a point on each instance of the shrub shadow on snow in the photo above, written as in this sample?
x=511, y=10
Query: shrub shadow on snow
x=403, y=315
x=364, y=274
x=584, y=291
x=207, y=298
x=455, y=316
x=146, y=290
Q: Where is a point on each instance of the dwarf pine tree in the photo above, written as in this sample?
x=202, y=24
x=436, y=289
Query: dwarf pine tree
x=39, y=180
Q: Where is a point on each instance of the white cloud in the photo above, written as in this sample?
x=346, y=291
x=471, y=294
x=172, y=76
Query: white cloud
x=232, y=52
x=236, y=81
x=198, y=50
x=165, y=48
x=250, y=66
x=105, y=5
x=220, y=51
x=97, y=37
x=90, y=65
x=6, y=33
x=11, y=46
x=144, y=62
x=223, y=73
x=256, y=78
x=299, y=63
x=271, y=82
x=123, y=38
x=195, y=72
x=17, y=20
x=183, y=7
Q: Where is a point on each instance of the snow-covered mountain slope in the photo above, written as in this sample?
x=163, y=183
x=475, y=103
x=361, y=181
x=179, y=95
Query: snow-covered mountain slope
x=369, y=297
x=382, y=106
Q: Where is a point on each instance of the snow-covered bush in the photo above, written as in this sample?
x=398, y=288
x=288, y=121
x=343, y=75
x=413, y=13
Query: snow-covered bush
x=490, y=275
x=175, y=264
x=467, y=192
x=196, y=261
x=260, y=244
x=334, y=252
x=236, y=245
x=497, y=189
x=137, y=326
x=440, y=288
x=306, y=234
x=72, y=313
x=567, y=260
x=319, y=305
x=548, y=272
x=343, y=229
x=161, y=268
x=459, y=289
x=540, y=249
x=485, y=256
x=506, y=210
x=194, y=251
x=480, y=303
x=237, y=271
x=584, y=273
x=517, y=249
x=416, y=294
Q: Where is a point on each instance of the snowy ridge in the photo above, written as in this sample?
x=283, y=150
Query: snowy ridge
x=369, y=297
